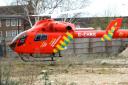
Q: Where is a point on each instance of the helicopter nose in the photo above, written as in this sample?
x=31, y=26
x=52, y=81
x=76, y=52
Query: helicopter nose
x=12, y=45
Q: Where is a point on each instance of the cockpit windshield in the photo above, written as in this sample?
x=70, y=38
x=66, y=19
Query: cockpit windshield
x=19, y=36
x=22, y=40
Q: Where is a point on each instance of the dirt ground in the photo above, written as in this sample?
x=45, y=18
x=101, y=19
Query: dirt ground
x=92, y=71
x=70, y=70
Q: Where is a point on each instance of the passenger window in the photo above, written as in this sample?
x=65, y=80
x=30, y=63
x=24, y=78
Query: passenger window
x=40, y=37
x=22, y=40
x=43, y=37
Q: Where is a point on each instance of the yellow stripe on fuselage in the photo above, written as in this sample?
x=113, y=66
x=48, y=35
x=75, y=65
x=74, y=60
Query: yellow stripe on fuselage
x=62, y=43
x=69, y=34
x=102, y=39
x=107, y=37
x=111, y=33
x=55, y=50
x=59, y=47
x=65, y=38
x=113, y=28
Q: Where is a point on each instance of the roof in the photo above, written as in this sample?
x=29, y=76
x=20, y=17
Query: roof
x=10, y=10
x=11, y=16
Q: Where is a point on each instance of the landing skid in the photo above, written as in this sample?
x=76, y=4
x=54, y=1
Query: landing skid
x=31, y=58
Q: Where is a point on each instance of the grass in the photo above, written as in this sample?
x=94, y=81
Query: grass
x=17, y=72
x=5, y=75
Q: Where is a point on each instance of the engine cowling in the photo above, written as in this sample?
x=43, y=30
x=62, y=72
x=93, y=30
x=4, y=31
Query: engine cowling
x=61, y=27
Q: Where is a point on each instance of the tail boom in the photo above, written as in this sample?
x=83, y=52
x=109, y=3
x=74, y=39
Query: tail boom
x=112, y=31
x=99, y=34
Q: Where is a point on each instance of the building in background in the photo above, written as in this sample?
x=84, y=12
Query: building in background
x=12, y=22
x=10, y=26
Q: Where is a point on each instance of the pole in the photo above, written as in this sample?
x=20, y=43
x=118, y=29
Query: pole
x=0, y=74
x=18, y=26
x=4, y=42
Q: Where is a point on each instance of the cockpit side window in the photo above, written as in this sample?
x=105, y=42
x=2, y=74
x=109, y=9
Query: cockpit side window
x=22, y=40
x=40, y=37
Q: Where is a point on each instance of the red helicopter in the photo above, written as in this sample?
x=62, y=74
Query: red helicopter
x=51, y=37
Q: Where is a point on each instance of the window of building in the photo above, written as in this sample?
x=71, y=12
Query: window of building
x=14, y=33
x=8, y=23
x=8, y=33
x=0, y=23
x=19, y=22
x=18, y=31
x=13, y=22
x=40, y=37
x=1, y=34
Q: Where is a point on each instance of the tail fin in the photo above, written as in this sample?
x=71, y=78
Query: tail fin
x=113, y=26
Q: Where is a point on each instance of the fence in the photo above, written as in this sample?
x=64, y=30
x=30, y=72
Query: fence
x=96, y=46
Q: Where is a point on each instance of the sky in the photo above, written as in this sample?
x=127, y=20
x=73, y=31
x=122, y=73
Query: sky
x=102, y=8
x=5, y=2
x=111, y=7
x=98, y=7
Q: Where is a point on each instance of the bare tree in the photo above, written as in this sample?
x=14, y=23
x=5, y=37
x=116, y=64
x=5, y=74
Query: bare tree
x=36, y=7
x=73, y=6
